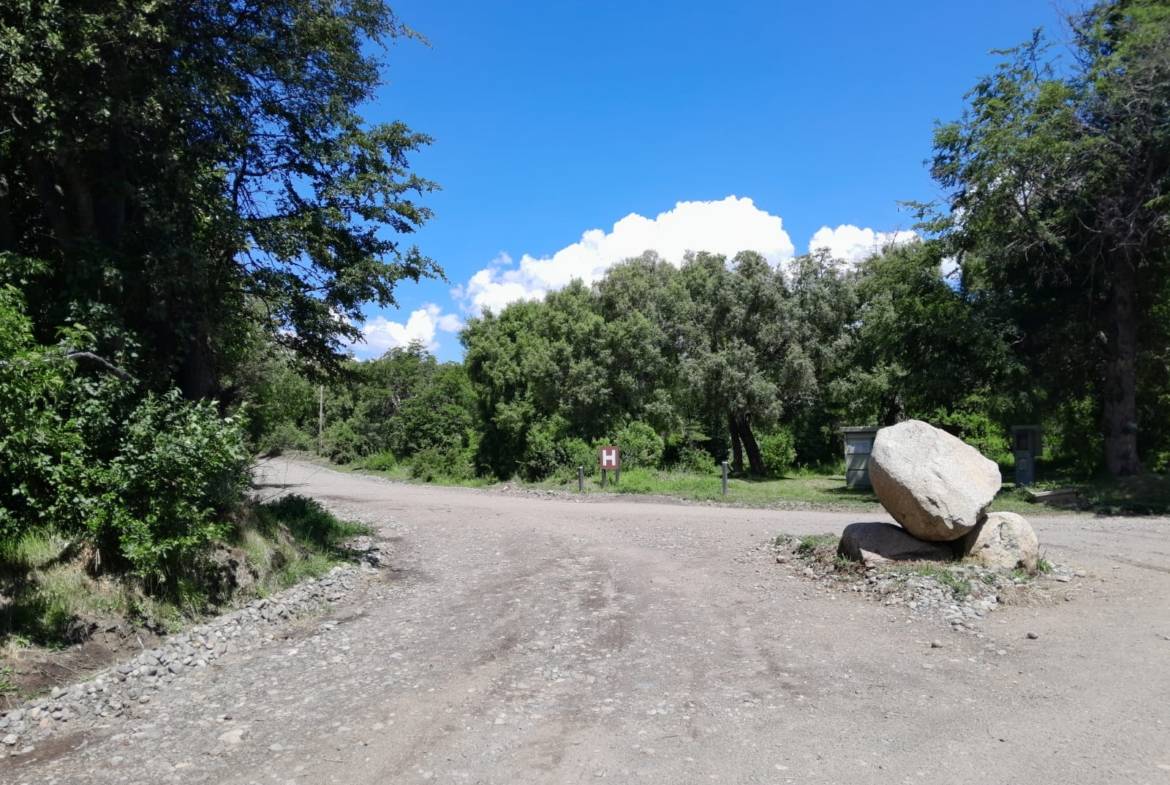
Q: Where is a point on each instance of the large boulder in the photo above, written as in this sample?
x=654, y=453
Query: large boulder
x=873, y=543
x=1004, y=541
x=934, y=484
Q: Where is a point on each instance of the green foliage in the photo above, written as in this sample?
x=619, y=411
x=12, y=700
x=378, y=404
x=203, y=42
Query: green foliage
x=695, y=460
x=378, y=462
x=438, y=465
x=180, y=468
x=42, y=449
x=1058, y=183
x=641, y=447
x=281, y=437
x=341, y=443
x=779, y=451
x=309, y=522
x=972, y=422
x=164, y=159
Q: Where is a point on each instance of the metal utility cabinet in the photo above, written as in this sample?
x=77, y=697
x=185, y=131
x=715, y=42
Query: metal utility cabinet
x=1026, y=447
x=858, y=445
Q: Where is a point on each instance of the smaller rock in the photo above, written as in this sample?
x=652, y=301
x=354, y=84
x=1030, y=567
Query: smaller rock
x=1003, y=541
x=873, y=542
x=936, y=644
x=1033, y=636
x=10, y=740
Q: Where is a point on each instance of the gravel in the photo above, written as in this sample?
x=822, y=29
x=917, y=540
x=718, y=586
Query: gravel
x=116, y=691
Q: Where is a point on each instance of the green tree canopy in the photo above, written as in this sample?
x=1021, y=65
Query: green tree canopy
x=173, y=163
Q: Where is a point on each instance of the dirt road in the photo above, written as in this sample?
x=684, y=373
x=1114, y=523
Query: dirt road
x=527, y=640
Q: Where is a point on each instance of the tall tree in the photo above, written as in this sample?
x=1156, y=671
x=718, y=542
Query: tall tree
x=1059, y=197
x=173, y=163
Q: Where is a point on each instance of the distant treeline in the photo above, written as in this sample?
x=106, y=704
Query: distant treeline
x=684, y=366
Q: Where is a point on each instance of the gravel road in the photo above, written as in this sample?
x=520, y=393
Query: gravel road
x=532, y=640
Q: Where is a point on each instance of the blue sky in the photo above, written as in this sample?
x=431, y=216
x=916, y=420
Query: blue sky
x=552, y=119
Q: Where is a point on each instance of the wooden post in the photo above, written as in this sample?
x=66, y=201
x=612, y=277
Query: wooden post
x=725, y=478
x=617, y=475
x=321, y=420
x=603, y=478
x=580, y=479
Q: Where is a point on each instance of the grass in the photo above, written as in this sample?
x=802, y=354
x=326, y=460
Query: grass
x=959, y=585
x=810, y=543
x=803, y=489
x=814, y=487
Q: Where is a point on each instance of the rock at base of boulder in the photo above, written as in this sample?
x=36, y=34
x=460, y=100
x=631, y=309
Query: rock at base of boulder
x=873, y=543
x=934, y=484
x=1004, y=541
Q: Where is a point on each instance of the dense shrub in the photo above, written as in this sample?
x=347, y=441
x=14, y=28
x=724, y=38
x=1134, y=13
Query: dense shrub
x=378, y=462
x=180, y=468
x=283, y=436
x=43, y=470
x=778, y=449
x=976, y=427
x=695, y=460
x=434, y=464
x=341, y=443
x=640, y=445
x=573, y=452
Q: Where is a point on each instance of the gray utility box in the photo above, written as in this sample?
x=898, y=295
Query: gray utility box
x=858, y=445
x=1026, y=447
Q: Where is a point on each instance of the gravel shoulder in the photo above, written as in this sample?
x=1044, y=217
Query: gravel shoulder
x=532, y=640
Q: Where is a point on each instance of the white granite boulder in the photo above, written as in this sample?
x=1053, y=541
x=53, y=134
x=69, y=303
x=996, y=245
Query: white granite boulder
x=935, y=485
x=1003, y=541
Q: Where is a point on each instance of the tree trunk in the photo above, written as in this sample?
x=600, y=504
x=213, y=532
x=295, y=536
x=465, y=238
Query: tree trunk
x=1120, y=399
x=751, y=447
x=736, y=445
x=197, y=370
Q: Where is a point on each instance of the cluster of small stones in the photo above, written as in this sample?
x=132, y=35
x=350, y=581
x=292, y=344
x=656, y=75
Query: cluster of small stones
x=116, y=691
x=897, y=585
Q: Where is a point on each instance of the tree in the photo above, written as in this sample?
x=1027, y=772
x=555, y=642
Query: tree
x=175, y=163
x=1059, y=199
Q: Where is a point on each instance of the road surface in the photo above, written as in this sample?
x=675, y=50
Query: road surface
x=535, y=640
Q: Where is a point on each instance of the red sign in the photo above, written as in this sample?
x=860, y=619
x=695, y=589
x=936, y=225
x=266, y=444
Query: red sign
x=609, y=457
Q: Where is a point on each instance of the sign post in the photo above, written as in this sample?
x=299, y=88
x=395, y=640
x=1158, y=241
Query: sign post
x=610, y=457
x=725, y=478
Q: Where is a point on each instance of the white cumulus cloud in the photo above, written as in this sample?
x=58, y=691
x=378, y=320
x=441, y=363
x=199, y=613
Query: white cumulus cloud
x=854, y=244
x=726, y=226
x=382, y=334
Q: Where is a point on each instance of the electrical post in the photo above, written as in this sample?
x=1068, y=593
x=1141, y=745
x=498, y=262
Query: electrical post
x=724, y=478
x=580, y=479
x=321, y=419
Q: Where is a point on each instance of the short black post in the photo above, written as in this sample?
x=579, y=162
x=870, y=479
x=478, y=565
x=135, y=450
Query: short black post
x=580, y=479
x=725, y=478
x=603, y=478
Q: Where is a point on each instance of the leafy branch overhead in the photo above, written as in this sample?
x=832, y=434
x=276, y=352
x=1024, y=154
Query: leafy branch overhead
x=199, y=166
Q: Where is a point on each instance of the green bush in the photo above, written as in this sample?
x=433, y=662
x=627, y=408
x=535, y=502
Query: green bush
x=43, y=468
x=541, y=454
x=433, y=464
x=977, y=428
x=341, y=443
x=378, y=462
x=640, y=446
x=778, y=449
x=573, y=452
x=281, y=437
x=695, y=461
x=179, y=470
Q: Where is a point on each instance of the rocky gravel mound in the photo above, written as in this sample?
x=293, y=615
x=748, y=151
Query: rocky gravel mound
x=961, y=594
